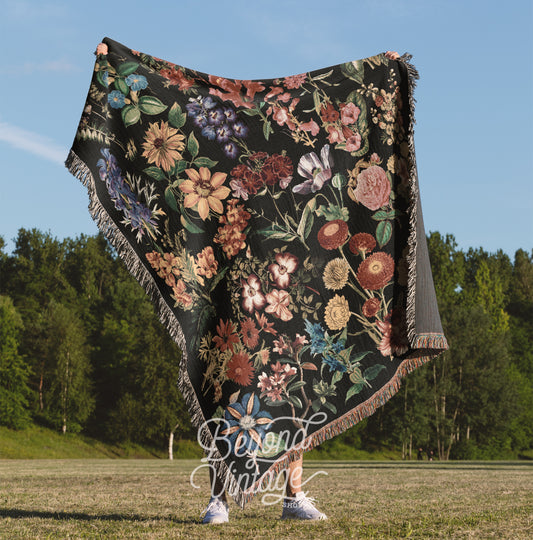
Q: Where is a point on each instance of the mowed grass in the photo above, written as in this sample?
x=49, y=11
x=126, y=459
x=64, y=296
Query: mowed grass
x=104, y=498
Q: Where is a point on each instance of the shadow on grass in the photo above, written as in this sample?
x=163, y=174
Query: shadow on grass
x=17, y=513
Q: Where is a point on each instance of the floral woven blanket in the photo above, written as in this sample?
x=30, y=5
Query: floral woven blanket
x=276, y=225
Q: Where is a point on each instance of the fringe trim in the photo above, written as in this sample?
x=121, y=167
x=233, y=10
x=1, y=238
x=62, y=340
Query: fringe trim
x=340, y=425
x=78, y=168
x=413, y=179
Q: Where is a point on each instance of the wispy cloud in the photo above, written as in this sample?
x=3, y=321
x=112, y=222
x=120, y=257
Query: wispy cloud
x=32, y=142
x=50, y=66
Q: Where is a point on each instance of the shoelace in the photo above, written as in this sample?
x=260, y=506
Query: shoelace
x=212, y=504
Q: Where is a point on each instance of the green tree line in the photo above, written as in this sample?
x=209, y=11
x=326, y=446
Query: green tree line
x=82, y=350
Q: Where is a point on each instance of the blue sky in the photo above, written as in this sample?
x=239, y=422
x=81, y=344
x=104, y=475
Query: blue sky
x=474, y=111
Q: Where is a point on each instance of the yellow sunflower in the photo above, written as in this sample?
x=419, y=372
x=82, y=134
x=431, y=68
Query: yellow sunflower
x=204, y=190
x=337, y=313
x=163, y=145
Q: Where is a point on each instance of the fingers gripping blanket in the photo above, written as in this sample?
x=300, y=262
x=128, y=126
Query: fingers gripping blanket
x=276, y=225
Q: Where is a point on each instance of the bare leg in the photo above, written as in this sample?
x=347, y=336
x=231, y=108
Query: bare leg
x=217, y=487
x=294, y=480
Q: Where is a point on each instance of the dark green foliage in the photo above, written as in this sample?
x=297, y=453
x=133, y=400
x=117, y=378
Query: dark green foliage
x=14, y=372
x=82, y=349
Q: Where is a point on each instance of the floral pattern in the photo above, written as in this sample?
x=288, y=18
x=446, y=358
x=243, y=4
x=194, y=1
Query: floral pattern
x=273, y=217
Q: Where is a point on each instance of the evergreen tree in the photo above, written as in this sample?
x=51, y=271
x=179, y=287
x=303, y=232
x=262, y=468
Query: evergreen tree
x=14, y=373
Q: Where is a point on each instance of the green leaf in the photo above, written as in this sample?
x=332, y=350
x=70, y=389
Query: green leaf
x=316, y=101
x=155, y=172
x=127, y=68
x=267, y=129
x=295, y=386
x=171, y=199
x=295, y=401
x=372, y=372
x=188, y=224
x=383, y=232
x=381, y=215
x=331, y=407
x=272, y=445
x=251, y=112
x=275, y=403
x=151, y=105
x=130, y=115
x=309, y=365
x=203, y=161
x=220, y=274
x=307, y=219
x=277, y=235
x=337, y=376
x=355, y=389
x=358, y=357
x=176, y=117
x=192, y=145
x=322, y=76
x=121, y=85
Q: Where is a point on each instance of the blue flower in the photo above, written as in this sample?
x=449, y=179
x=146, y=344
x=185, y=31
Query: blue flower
x=208, y=102
x=333, y=363
x=209, y=132
x=247, y=424
x=316, y=333
x=136, y=82
x=105, y=78
x=116, y=99
x=230, y=149
x=240, y=129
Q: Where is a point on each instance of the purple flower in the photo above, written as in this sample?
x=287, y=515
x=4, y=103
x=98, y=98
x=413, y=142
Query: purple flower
x=317, y=171
x=240, y=129
x=230, y=149
x=116, y=99
x=223, y=133
x=229, y=114
x=215, y=116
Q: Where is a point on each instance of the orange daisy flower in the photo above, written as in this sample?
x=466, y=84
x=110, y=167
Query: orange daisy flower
x=204, y=191
x=162, y=145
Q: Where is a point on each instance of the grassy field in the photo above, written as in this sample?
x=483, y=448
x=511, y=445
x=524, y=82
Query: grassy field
x=104, y=498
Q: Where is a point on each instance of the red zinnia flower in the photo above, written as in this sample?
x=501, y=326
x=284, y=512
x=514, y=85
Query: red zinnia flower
x=371, y=307
x=375, y=271
x=240, y=369
x=362, y=243
x=333, y=234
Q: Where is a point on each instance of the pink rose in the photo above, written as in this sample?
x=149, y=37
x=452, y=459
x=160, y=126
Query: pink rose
x=373, y=188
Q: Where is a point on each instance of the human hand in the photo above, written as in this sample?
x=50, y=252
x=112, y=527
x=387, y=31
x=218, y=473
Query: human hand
x=393, y=55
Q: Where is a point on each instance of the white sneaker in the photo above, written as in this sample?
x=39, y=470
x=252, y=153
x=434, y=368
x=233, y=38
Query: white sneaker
x=216, y=511
x=301, y=507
